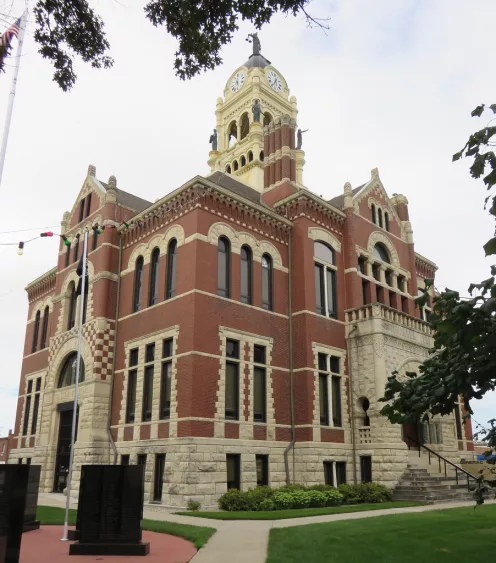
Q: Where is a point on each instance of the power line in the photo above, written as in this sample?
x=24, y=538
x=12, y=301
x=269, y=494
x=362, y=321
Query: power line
x=25, y=230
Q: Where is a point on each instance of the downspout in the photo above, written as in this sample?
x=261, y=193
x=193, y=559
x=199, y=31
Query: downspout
x=352, y=406
x=112, y=443
x=291, y=396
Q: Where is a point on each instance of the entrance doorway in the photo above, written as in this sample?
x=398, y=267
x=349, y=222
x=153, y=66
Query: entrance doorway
x=64, y=448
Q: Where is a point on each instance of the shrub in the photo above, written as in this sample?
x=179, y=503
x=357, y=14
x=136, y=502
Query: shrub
x=193, y=505
x=301, y=499
x=267, y=505
x=233, y=501
x=332, y=497
x=365, y=493
x=291, y=488
x=282, y=501
x=316, y=499
x=350, y=494
x=254, y=497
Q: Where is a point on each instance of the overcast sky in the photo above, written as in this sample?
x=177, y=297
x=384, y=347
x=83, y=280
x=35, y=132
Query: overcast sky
x=390, y=86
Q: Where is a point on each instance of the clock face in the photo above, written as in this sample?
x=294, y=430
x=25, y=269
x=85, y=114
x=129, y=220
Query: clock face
x=237, y=81
x=274, y=81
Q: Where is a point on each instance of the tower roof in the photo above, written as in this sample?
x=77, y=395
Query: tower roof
x=257, y=61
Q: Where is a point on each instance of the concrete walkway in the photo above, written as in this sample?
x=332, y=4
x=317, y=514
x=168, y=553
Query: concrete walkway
x=246, y=541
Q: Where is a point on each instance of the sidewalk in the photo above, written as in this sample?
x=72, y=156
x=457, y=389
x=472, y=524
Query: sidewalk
x=246, y=541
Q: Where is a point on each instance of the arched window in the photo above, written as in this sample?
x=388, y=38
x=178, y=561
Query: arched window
x=325, y=280
x=223, y=267
x=228, y=169
x=246, y=275
x=267, y=118
x=44, y=329
x=154, y=273
x=232, y=134
x=71, y=317
x=267, y=282
x=235, y=165
x=170, y=290
x=85, y=301
x=386, y=220
x=243, y=161
x=379, y=214
x=76, y=248
x=261, y=156
x=374, y=220
x=250, y=156
x=138, y=283
x=244, y=125
x=36, y=331
x=67, y=375
x=381, y=252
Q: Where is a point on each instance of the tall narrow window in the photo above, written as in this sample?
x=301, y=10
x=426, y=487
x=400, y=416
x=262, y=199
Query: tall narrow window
x=85, y=301
x=67, y=254
x=386, y=220
x=27, y=409
x=232, y=380
x=76, y=249
x=138, y=282
x=340, y=473
x=95, y=238
x=262, y=467
x=330, y=375
x=325, y=280
x=365, y=292
x=154, y=273
x=44, y=329
x=323, y=399
x=36, y=331
x=166, y=379
x=71, y=317
x=88, y=205
x=246, y=275
x=171, y=269
x=141, y=459
x=81, y=210
x=362, y=265
x=125, y=459
x=223, y=267
x=267, y=282
x=336, y=401
x=148, y=383
x=34, y=422
x=328, y=473
x=400, y=280
x=158, y=484
x=259, y=385
x=233, y=467
x=131, y=386
x=458, y=420
x=366, y=468
x=374, y=220
x=379, y=215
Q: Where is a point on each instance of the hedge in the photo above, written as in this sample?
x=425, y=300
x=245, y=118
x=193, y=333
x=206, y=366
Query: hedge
x=299, y=496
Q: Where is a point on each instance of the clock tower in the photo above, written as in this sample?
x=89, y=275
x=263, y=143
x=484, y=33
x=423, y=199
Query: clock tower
x=255, y=95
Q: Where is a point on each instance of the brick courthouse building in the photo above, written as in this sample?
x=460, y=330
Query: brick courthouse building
x=239, y=330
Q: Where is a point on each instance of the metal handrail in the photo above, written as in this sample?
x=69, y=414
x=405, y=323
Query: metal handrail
x=446, y=461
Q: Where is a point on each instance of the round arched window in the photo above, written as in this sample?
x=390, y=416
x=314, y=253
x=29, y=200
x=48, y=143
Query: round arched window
x=381, y=253
x=67, y=375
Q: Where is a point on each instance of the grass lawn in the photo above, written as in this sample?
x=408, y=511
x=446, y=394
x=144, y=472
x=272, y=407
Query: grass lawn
x=197, y=535
x=298, y=513
x=442, y=536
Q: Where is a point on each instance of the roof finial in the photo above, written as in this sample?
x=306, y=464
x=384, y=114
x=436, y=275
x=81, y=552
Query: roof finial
x=253, y=38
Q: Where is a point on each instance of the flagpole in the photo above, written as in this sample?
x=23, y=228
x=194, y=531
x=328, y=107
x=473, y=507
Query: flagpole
x=10, y=106
x=76, y=384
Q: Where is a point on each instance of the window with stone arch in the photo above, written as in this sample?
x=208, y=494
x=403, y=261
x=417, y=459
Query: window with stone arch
x=244, y=125
x=250, y=156
x=223, y=267
x=235, y=165
x=379, y=215
x=386, y=220
x=72, y=305
x=246, y=274
x=325, y=280
x=232, y=134
x=243, y=161
x=267, y=282
x=44, y=328
x=261, y=156
x=228, y=169
x=374, y=218
x=170, y=288
x=36, y=331
x=154, y=277
x=138, y=284
x=67, y=376
x=381, y=252
x=267, y=118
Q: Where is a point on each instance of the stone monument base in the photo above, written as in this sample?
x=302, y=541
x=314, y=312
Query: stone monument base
x=28, y=526
x=142, y=548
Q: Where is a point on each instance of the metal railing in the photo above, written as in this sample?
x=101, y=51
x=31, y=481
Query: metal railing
x=440, y=459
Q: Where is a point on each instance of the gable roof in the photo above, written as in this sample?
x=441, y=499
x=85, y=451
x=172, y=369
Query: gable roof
x=338, y=201
x=229, y=183
x=126, y=199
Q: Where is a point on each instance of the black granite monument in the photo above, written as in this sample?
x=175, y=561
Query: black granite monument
x=30, y=522
x=110, y=511
x=14, y=484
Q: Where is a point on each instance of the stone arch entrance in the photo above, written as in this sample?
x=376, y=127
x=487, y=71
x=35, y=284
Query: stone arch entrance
x=412, y=429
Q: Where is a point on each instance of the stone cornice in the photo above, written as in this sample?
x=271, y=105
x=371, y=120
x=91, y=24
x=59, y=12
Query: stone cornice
x=42, y=285
x=425, y=262
x=304, y=194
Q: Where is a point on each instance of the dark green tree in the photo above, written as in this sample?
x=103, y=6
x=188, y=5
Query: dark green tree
x=69, y=28
x=463, y=358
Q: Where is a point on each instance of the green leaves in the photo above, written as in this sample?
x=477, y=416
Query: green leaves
x=490, y=247
x=478, y=111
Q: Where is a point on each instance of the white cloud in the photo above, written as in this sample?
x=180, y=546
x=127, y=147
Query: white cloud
x=391, y=86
